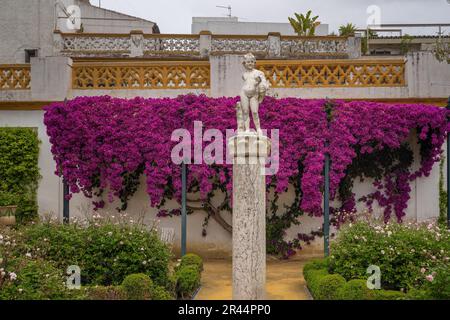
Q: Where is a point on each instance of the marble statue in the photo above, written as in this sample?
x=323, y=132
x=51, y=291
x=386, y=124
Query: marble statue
x=249, y=150
x=252, y=94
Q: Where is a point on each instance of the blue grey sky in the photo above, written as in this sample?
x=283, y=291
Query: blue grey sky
x=174, y=16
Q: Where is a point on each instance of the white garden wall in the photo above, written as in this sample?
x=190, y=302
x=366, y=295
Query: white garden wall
x=422, y=205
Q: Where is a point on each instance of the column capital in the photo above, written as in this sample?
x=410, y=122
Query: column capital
x=249, y=145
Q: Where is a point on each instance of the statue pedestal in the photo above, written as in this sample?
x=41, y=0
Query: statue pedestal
x=249, y=151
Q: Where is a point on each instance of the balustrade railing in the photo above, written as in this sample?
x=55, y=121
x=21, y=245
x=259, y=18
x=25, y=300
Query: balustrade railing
x=333, y=73
x=141, y=75
x=15, y=76
x=280, y=74
x=137, y=44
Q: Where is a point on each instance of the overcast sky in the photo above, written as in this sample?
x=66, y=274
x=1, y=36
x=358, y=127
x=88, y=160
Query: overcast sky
x=175, y=16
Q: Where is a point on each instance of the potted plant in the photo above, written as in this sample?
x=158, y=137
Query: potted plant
x=8, y=207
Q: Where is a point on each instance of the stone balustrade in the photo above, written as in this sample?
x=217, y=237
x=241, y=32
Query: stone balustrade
x=59, y=77
x=15, y=76
x=137, y=44
x=141, y=75
x=334, y=73
x=196, y=74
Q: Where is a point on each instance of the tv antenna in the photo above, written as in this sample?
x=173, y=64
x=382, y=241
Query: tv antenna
x=226, y=7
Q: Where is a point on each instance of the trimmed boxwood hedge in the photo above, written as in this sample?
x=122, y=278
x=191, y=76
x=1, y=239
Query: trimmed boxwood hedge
x=356, y=289
x=188, y=275
x=191, y=259
x=326, y=286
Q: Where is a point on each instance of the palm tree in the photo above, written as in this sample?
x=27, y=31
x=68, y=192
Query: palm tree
x=304, y=25
x=347, y=30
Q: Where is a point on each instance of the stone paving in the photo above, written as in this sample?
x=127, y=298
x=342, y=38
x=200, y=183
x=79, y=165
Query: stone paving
x=284, y=280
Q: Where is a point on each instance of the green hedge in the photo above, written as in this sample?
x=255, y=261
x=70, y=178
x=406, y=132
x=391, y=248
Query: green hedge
x=106, y=293
x=137, y=286
x=188, y=275
x=356, y=289
x=19, y=170
x=326, y=286
x=191, y=259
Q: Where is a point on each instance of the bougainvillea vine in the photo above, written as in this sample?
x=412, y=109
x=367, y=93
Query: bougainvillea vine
x=104, y=144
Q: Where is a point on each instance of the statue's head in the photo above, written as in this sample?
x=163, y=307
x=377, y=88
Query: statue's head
x=249, y=61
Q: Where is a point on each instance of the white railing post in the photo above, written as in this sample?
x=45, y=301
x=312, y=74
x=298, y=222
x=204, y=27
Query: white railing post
x=137, y=43
x=354, y=47
x=274, y=44
x=205, y=43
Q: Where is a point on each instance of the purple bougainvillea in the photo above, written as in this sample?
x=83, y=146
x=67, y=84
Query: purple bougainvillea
x=98, y=144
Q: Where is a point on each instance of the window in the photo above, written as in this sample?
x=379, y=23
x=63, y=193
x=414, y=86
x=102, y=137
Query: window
x=29, y=53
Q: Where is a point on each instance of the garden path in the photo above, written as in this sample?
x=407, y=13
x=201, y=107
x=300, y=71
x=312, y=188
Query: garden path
x=284, y=280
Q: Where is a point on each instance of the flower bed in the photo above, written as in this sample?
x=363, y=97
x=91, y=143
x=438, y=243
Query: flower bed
x=413, y=261
x=111, y=254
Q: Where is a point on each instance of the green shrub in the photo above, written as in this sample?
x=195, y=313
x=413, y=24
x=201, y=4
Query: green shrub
x=105, y=252
x=316, y=265
x=106, y=293
x=191, y=259
x=325, y=286
x=329, y=286
x=356, y=289
x=437, y=287
x=313, y=277
x=388, y=295
x=417, y=294
x=171, y=285
x=36, y=280
x=160, y=293
x=138, y=287
x=188, y=280
x=19, y=170
x=400, y=250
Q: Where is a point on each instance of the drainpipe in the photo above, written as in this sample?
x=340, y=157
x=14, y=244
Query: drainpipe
x=183, y=209
x=448, y=168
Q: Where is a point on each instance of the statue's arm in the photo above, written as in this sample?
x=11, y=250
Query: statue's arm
x=263, y=79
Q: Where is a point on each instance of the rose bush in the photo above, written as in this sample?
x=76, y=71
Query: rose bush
x=409, y=255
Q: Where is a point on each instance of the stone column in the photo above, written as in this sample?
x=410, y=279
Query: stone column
x=249, y=152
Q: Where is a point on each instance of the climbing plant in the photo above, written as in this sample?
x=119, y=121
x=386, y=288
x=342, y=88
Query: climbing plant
x=442, y=220
x=19, y=171
x=102, y=145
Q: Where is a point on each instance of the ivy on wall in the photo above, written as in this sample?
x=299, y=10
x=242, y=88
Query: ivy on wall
x=442, y=194
x=19, y=171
